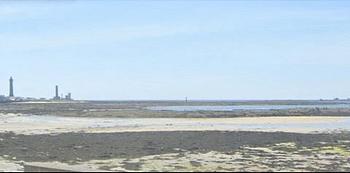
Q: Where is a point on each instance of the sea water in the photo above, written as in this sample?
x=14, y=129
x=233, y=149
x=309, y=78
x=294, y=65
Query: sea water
x=246, y=107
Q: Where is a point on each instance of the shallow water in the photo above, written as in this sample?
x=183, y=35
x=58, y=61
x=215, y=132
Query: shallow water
x=246, y=107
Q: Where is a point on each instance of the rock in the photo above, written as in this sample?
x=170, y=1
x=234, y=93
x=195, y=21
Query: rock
x=195, y=164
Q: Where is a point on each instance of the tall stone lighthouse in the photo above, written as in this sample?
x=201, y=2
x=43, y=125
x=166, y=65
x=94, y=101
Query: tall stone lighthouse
x=11, y=88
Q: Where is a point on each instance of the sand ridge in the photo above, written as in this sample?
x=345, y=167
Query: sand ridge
x=31, y=124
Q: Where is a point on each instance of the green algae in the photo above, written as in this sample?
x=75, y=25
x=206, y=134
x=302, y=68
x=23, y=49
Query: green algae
x=338, y=150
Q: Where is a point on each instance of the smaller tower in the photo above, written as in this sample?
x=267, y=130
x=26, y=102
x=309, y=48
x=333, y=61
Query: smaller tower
x=56, y=94
x=11, y=88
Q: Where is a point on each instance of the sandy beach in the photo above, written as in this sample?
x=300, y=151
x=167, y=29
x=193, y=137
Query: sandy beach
x=31, y=124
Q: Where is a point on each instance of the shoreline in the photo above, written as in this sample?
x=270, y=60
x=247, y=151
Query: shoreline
x=140, y=109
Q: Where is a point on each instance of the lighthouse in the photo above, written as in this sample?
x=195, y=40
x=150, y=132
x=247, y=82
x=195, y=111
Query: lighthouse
x=11, y=88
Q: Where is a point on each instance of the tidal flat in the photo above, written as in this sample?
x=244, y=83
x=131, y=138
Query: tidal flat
x=128, y=136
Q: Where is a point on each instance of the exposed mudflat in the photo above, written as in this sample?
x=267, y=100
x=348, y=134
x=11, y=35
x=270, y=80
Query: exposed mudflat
x=85, y=148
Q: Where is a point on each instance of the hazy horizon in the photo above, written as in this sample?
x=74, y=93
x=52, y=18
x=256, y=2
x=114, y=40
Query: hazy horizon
x=167, y=50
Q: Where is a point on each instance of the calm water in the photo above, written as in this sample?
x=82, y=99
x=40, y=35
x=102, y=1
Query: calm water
x=245, y=107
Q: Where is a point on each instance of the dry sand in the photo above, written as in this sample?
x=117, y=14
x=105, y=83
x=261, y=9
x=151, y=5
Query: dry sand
x=28, y=124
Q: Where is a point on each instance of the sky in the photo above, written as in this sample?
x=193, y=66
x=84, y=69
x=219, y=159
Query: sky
x=167, y=50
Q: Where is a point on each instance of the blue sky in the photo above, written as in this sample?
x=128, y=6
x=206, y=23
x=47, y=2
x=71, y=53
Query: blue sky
x=119, y=50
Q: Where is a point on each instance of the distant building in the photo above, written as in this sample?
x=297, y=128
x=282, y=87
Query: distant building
x=62, y=97
x=69, y=96
x=3, y=98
